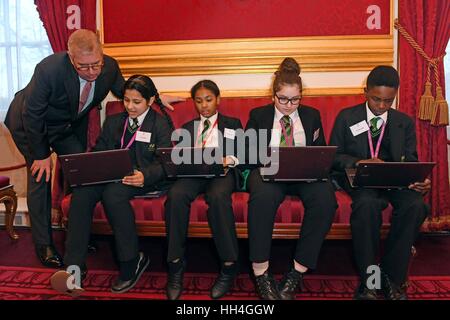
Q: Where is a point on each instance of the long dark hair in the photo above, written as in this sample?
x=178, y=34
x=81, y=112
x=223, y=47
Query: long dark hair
x=145, y=86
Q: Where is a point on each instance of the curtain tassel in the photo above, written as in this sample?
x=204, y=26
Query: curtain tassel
x=426, y=103
x=440, y=110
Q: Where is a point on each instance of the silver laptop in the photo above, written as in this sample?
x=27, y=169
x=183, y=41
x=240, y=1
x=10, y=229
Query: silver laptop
x=388, y=175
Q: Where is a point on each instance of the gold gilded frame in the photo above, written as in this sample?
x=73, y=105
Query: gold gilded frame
x=255, y=55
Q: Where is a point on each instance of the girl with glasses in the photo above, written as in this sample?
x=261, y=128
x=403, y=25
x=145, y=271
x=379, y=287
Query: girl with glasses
x=287, y=123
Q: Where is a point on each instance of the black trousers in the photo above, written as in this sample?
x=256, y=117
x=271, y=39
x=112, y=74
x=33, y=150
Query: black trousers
x=220, y=214
x=409, y=213
x=39, y=193
x=265, y=197
x=115, y=198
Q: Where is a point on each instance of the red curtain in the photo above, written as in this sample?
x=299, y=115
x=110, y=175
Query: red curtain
x=60, y=19
x=56, y=15
x=427, y=21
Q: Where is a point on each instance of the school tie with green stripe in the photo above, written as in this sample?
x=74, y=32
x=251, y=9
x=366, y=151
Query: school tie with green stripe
x=206, y=125
x=285, y=122
x=376, y=124
x=134, y=126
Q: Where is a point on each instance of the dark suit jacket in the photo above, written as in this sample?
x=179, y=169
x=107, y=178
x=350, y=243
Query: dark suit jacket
x=147, y=161
x=262, y=118
x=47, y=108
x=352, y=149
x=222, y=123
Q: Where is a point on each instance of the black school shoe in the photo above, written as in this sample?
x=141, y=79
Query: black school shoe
x=291, y=283
x=225, y=281
x=121, y=286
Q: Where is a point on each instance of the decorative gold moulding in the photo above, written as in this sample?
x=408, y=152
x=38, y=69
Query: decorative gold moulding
x=257, y=93
x=259, y=55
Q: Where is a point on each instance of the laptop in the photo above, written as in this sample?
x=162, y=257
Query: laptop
x=190, y=168
x=81, y=169
x=388, y=175
x=299, y=164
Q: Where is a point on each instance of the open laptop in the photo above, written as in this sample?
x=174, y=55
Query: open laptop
x=191, y=168
x=300, y=164
x=388, y=175
x=89, y=168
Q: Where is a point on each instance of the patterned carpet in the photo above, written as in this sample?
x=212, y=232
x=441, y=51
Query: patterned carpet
x=34, y=284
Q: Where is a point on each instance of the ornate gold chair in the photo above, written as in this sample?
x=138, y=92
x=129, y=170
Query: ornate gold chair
x=9, y=198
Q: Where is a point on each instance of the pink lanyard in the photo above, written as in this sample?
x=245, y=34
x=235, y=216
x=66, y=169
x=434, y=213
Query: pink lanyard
x=123, y=136
x=289, y=139
x=377, y=150
x=209, y=133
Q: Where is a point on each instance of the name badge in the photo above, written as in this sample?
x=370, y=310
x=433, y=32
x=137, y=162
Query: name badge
x=229, y=133
x=359, y=128
x=143, y=136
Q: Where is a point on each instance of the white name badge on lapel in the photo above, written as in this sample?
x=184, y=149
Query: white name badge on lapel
x=143, y=136
x=229, y=133
x=359, y=128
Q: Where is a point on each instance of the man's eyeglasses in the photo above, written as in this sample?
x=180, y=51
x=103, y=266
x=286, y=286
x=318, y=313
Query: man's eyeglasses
x=284, y=100
x=94, y=67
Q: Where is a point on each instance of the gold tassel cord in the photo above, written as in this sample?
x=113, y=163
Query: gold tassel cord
x=426, y=103
x=440, y=112
x=430, y=109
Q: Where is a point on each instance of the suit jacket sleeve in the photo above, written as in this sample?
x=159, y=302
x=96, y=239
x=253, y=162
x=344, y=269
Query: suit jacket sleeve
x=320, y=141
x=338, y=138
x=117, y=85
x=154, y=172
x=410, y=142
x=106, y=139
x=252, y=124
x=35, y=112
x=236, y=124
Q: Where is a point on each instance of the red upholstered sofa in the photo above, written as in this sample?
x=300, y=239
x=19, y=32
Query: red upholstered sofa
x=150, y=212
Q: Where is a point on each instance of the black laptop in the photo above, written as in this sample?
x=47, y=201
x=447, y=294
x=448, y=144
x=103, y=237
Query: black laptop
x=195, y=167
x=299, y=164
x=89, y=168
x=388, y=175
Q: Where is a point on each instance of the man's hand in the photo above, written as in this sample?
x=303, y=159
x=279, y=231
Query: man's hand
x=40, y=167
x=422, y=187
x=135, y=180
x=167, y=100
x=369, y=160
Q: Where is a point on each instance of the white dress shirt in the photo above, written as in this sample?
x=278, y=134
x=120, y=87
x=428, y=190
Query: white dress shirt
x=212, y=137
x=370, y=115
x=299, y=131
x=139, y=118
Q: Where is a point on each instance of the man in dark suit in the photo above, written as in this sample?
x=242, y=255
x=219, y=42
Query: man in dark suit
x=287, y=123
x=374, y=132
x=212, y=130
x=50, y=114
